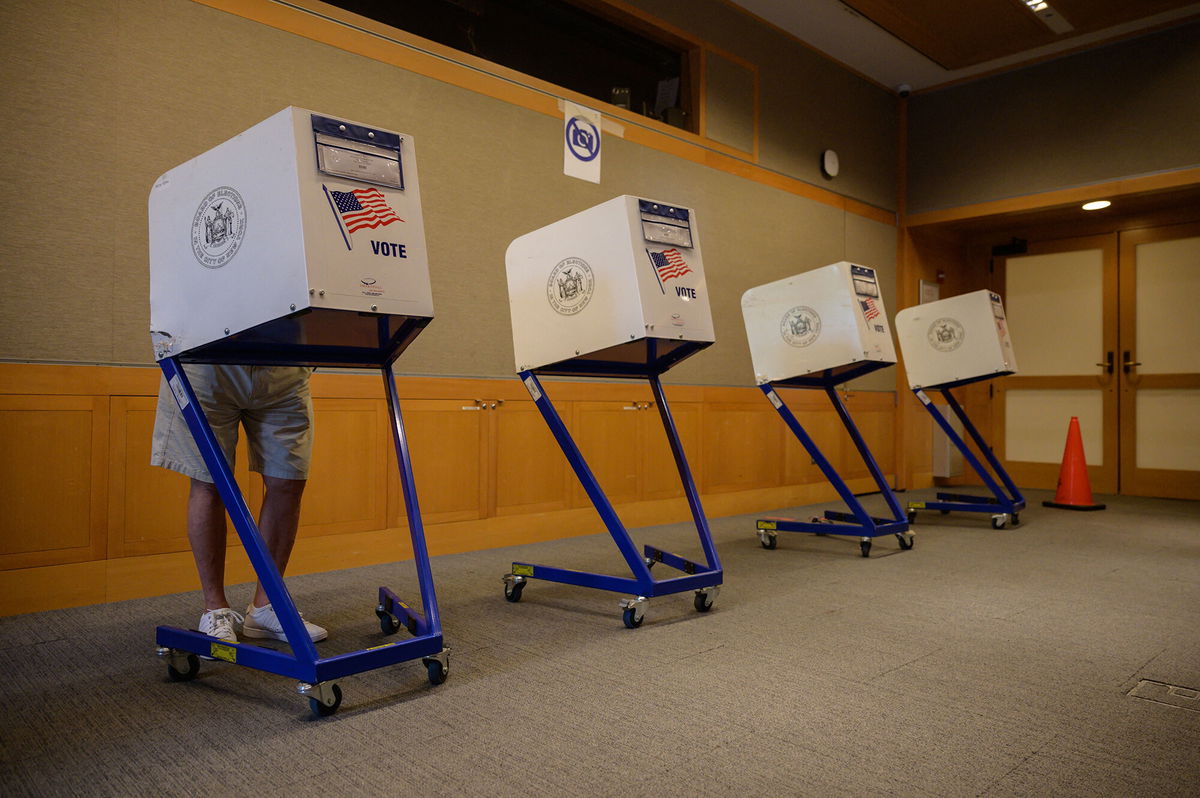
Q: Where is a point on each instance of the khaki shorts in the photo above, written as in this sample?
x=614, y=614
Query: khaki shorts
x=272, y=402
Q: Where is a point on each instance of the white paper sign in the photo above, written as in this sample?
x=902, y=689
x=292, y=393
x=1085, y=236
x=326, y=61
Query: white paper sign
x=581, y=142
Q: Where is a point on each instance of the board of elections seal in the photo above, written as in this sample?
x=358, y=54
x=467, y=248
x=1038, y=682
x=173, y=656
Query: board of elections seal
x=800, y=326
x=946, y=334
x=218, y=227
x=570, y=286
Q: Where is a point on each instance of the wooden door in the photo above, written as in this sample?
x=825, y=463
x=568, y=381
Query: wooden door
x=1158, y=362
x=1061, y=304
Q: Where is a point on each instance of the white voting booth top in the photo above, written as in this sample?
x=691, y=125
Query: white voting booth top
x=299, y=240
x=820, y=327
x=615, y=289
x=955, y=341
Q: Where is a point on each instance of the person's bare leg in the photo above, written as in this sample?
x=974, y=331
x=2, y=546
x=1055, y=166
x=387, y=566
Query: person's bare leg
x=278, y=522
x=206, y=534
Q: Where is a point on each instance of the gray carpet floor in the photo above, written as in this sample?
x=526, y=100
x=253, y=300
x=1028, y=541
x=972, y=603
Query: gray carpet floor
x=1060, y=657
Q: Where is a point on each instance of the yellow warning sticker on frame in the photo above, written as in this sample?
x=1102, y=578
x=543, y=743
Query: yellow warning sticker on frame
x=223, y=651
x=522, y=570
x=916, y=505
x=766, y=525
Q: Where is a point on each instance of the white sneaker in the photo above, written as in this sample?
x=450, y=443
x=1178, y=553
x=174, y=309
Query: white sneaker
x=262, y=622
x=220, y=624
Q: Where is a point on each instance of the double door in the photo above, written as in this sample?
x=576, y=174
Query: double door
x=1106, y=329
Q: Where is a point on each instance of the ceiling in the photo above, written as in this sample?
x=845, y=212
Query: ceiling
x=927, y=43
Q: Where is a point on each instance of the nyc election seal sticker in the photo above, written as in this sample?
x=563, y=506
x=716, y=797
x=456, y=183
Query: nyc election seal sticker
x=946, y=334
x=800, y=326
x=218, y=227
x=570, y=286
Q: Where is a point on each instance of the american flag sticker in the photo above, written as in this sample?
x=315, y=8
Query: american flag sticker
x=364, y=208
x=360, y=209
x=870, y=309
x=668, y=265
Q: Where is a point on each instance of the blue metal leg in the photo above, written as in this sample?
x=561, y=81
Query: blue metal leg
x=858, y=523
x=685, y=476
x=416, y=528
x=865, y=454
x=700, y=577
x=999, y=503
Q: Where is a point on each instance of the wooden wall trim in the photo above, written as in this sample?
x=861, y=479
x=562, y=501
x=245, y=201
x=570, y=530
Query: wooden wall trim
x=329, y=25
x=120, y=528
x=1180, y=178
x=80, y=584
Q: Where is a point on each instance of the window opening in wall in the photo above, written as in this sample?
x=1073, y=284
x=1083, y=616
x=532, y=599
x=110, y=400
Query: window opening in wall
x=607, y=57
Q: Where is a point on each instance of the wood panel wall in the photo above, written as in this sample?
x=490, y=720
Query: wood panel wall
x=86, y=519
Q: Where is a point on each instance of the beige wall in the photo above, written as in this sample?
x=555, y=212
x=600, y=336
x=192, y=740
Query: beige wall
x=1129, y=109
x=102, y=97
x=808, y=103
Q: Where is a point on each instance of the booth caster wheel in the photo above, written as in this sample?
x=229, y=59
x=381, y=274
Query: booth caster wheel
x=324, y=698
x=705, y=598
x=906, y=541
x=436, y=669
x=513, y=585
x=912, y=516
x=768, y=541
x=999, y=521
x=866, y=548
x=182, y=669
x=388, y=623
x=633, y=611
x=1016, y=519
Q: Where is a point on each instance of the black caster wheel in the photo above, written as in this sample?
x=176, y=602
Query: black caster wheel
x=186, y=675
x=769, y=541
x=631, y=618
x=945, y=512
x=999, y=522
x=323, y=710
x=866, y=548
x=437, y=671
x=912, y=516
x=1016, y=519
x=388, y=624
x=512, y=590
x=703, y=602
x=906, y=541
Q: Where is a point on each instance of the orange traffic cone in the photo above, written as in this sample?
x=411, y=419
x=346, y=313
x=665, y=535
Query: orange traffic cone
x=1074, y=490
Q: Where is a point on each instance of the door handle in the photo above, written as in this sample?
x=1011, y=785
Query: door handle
x=1107, y=365
x=1128, y=363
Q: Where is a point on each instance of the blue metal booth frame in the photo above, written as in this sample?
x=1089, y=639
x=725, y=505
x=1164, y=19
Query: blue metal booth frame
x=1001, y=505
x=332, y=338
x=858, y=522
x=647, y=358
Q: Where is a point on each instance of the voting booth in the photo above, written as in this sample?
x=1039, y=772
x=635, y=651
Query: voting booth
x=297, y=242
x=817, y=330
x=615, y=291
x=948, y=343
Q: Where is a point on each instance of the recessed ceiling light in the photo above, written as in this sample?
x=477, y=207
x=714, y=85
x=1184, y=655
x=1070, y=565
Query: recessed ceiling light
x=1051, y=18
x=1096, y=205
